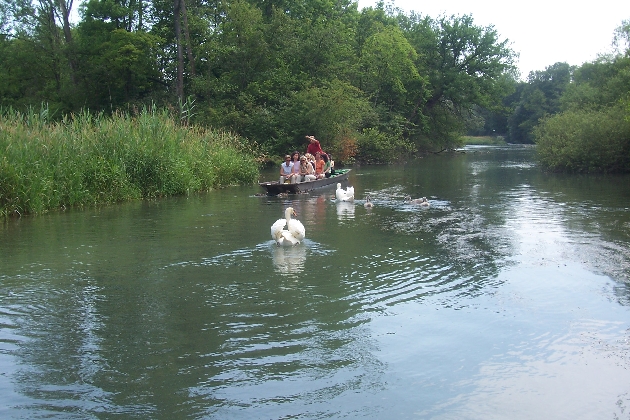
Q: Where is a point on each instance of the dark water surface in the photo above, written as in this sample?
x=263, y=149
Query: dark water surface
x=507, y=298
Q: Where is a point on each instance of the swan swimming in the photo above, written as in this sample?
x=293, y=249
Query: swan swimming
x=344, y=195
x=420, y=201
x=368, y=202
x=295, y=232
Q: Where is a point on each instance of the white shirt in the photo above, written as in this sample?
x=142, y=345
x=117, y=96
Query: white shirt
x=286, y=169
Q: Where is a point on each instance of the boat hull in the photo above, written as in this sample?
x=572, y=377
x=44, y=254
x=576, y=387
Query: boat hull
x=275, y=188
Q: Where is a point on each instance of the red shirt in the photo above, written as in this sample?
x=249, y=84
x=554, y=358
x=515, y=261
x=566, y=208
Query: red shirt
x=314, y=147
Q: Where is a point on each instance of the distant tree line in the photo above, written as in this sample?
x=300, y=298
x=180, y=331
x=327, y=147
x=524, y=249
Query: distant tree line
x=371, y=84
x=579, y=116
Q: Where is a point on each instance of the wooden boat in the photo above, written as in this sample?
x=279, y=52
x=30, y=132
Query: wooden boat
x=275, y=187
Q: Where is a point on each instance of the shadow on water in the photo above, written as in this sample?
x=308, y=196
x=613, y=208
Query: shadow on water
x=186, y=307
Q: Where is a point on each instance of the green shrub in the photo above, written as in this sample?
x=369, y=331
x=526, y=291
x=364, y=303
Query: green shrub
x=374, y=146
x=585, y=141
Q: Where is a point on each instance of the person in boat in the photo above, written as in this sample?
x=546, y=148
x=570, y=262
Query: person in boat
x=286, y=170
x=307, y=172
x=332, y=164
x=319, y=166
x=311, y=159
x=295, y=160
x=314, y=146
x=327, y=167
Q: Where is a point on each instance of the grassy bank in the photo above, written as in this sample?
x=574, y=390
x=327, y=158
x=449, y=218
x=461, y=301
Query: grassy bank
x=90, y=160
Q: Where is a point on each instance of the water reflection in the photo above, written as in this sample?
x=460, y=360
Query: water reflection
x=345, y=210
x=186, y=308
x=289, y=261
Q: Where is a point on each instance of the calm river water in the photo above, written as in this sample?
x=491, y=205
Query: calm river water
x=507, y=298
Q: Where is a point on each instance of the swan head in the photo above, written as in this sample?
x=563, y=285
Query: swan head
x=289, y=212
x=338, y=185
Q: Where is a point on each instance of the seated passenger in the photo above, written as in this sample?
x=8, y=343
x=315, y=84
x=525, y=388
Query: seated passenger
x=295, y=160
x=327, y=166
x=286, y=170
x=306, y=170
x=319, y=166
x=310, y=158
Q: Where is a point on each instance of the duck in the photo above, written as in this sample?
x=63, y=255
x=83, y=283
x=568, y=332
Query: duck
x=295, y=232
x=344, y=195
x=419, y=201
x=368, y=202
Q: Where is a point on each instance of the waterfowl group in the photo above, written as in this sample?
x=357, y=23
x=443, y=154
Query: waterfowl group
x=295, y=231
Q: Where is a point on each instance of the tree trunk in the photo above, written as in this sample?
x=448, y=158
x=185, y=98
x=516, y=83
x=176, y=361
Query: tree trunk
x=179, y=88
x=65, y=8
x=187, y=35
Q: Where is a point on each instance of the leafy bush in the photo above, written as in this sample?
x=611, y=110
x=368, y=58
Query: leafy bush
x=377, y=147
x=585, y=141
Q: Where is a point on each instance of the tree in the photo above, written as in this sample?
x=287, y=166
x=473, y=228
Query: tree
x=118, y=66
x=592, y=132
x=621, y=38
x=465, y=65
x=539, y=97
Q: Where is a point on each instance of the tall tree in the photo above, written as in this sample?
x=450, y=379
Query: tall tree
x=179, y=81
x=119, y=65
x=539, y=97
x=466, y=65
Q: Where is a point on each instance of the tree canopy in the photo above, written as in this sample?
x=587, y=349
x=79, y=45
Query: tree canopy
x=269, y=70
x=590, y=132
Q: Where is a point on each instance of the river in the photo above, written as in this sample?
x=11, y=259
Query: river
x=506, y=298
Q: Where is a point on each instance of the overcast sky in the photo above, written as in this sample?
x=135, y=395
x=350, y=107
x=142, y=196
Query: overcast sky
x=543, y=32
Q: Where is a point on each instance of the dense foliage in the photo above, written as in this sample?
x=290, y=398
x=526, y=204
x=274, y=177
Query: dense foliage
x=591, y=133
x=579, y=116
x=586, y=140
x=90, y=160
x=371, y=84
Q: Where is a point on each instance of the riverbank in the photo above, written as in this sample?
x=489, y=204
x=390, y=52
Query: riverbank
x=92, y=160
x=484, y=140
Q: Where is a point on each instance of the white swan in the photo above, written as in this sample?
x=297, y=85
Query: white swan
x=293, y=235
x=368, y=202
x=344, y=195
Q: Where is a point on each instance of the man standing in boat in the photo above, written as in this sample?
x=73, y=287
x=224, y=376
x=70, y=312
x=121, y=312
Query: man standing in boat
x=313, y=147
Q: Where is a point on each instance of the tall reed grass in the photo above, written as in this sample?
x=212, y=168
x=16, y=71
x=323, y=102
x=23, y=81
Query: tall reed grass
x=90, y=159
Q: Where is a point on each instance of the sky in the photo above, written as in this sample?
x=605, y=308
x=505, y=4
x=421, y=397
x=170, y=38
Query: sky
x=542, y=32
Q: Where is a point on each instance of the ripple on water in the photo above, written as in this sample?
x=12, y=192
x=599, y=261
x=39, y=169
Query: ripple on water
x=381, y=281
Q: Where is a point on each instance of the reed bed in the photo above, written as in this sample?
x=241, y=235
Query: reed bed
x=88, y=160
